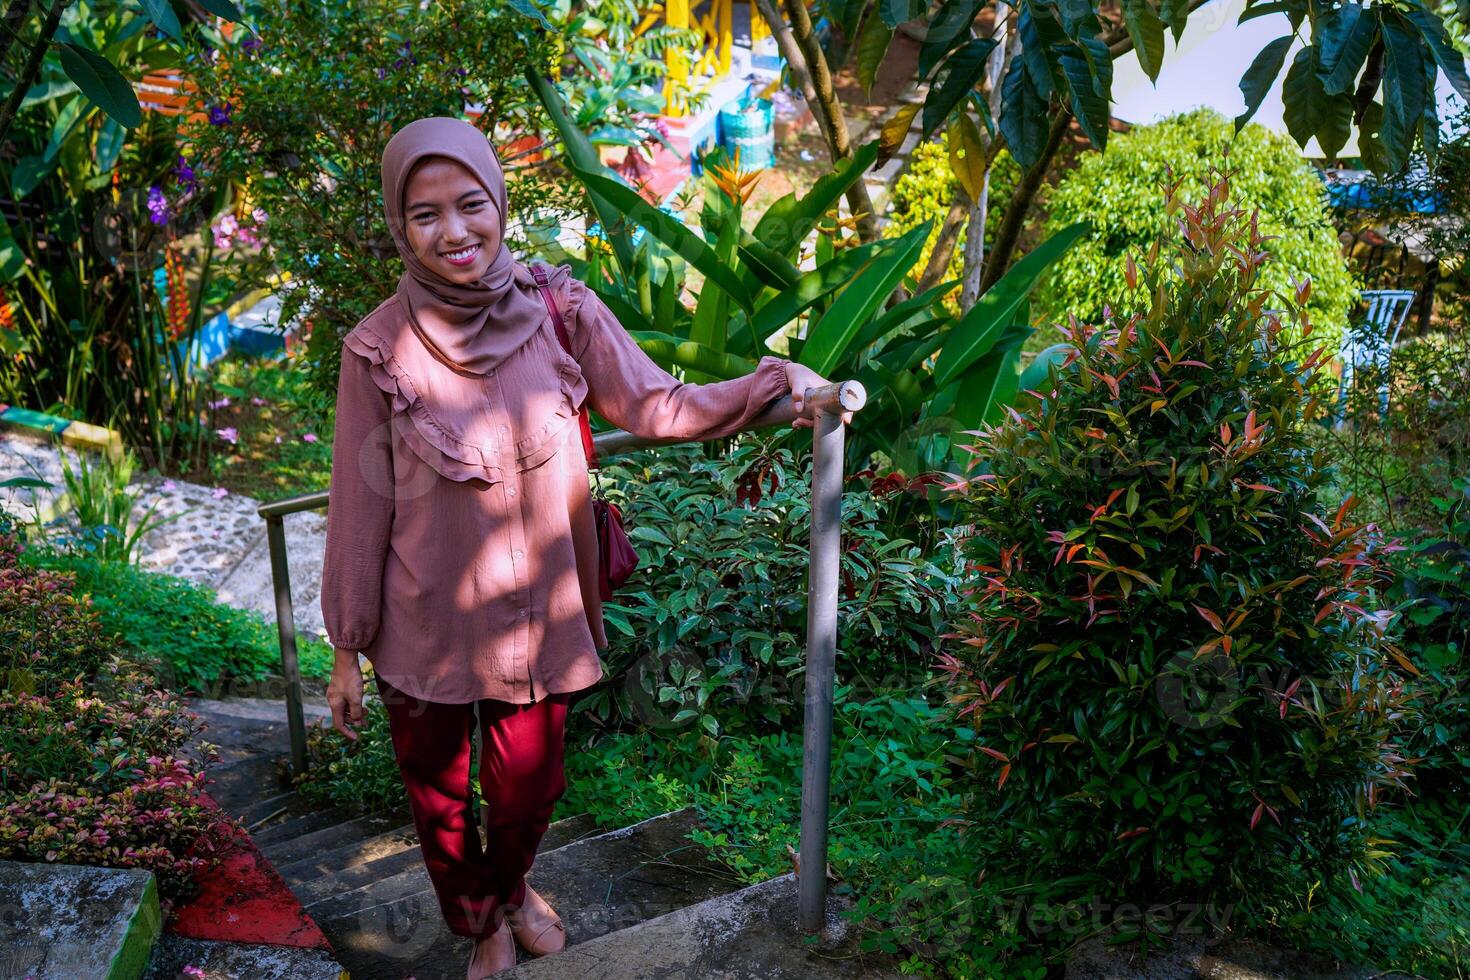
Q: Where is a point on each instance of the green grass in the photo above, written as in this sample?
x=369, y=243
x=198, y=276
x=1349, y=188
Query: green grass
x=195, y=642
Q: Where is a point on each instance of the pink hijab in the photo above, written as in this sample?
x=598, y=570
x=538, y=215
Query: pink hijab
x=472, y=327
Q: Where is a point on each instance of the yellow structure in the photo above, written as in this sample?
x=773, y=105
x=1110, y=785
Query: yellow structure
x=718, y=28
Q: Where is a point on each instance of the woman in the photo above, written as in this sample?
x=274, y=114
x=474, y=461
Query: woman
x=461, y=555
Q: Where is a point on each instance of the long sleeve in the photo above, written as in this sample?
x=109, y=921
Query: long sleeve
x=628, y=389
x=359, y=508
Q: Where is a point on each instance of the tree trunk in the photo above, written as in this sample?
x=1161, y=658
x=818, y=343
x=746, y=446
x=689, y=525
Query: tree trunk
x=32, y=68
x=794, y=59
x=949, y=234
x=858, y=201
x=995, y=68
x=1008, y=235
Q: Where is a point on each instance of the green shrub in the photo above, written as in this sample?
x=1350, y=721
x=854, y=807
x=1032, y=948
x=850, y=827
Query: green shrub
x=190, y=640
x=1119, y=192
x=1434, y=632
x=1174, y=665
x=93, y=775
x=48, y=634
x=711, y=628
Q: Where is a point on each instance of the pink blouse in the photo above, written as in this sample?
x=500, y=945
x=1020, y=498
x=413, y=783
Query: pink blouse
x=461, y=556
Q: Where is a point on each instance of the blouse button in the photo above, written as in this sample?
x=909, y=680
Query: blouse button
x=522, y=613
x=518, y=554
x=511, y=492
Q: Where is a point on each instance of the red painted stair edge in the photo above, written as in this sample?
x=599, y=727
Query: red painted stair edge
x=244, y=899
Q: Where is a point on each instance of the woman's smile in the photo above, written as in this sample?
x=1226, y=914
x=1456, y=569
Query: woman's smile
x=463, y=256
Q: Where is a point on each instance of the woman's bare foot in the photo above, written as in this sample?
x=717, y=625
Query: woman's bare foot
x=536, y=926
x=493, y=953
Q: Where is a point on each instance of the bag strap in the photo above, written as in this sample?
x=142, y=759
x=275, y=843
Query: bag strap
x=561, y=335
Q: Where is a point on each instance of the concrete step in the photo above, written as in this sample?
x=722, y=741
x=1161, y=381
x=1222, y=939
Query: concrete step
x=63, y=921
x=302, y=819
x=742, y=934
x=349, y=856
x=237, y=786
x=597, y=884
x=239, y=961
x=293, y=841
x=356, y=865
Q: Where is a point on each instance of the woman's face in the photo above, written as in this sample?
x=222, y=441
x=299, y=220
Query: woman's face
x=450, y=222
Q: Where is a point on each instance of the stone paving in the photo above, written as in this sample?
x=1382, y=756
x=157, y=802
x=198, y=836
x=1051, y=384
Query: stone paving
x=213, y=537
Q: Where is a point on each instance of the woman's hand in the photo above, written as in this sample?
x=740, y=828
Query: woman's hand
x=344, y=693
x=801, y=377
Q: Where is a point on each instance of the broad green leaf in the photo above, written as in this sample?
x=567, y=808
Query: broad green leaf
x=528, y=9
x=47, y=91
x=1403, y=89
x=963, y=71
x=829, y=338
x=1090, y=81
x=787, y=222
x=765, y=264
x=110, y=144
x=224, y=8
x=1347, y=34
x=978, y=330
x=1147, y=32
x=1259, y=76
x=12, y=259
x=690, y=354
x=1306, y=107
x=668, y=230
x=581, y=152
x=812, y=286
x=983, y=392
x=102, y=83
x=946, y=29
x=895, y=12
x=879, y=328
x=1038, y=370
x=163, y=17
x=1023, y=115
x=871, y=47
x=1450, y=61
x=1174, y=13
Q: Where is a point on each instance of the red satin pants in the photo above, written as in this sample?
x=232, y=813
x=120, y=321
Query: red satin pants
x=521, y=777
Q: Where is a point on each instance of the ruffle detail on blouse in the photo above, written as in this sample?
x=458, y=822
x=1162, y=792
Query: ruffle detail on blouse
x=543, y=443
x=425, y=436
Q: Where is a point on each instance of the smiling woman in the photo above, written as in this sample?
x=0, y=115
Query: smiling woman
x=462, y=553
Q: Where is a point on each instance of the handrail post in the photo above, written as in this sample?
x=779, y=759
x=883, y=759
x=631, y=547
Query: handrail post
x=275, y=532
x=824, y=567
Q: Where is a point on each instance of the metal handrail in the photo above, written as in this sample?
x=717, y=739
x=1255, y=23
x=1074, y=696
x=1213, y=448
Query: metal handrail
x=825, y=406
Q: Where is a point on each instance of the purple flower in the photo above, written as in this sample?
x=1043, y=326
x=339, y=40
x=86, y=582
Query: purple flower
x=219, y=115
x=309, y=437
x=382, y=74
x=254, y=400
x=185, y=174
x=228, y=434
x=158, y=211
x=167, y=485
x=219, y=493
x=222, y=403
x=278, y=440
x=251, y=44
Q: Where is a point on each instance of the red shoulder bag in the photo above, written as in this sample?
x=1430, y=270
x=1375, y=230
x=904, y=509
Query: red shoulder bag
x=616, y=558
